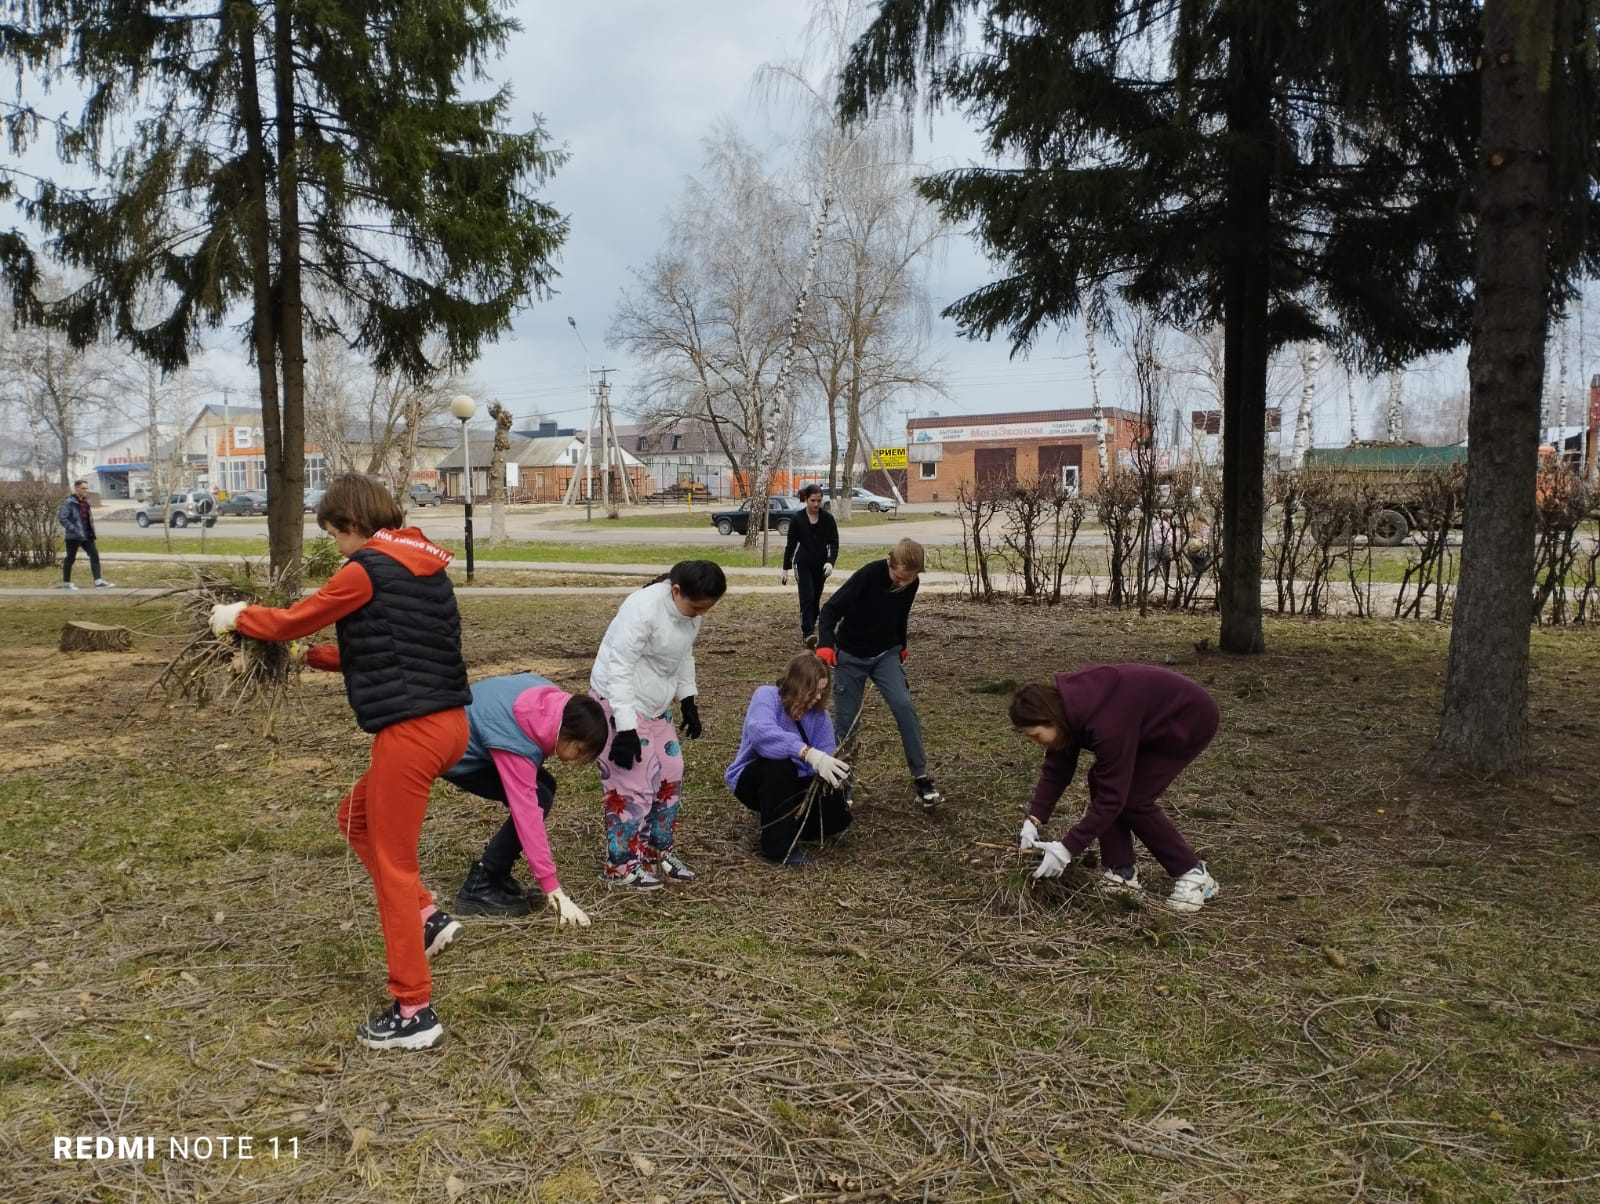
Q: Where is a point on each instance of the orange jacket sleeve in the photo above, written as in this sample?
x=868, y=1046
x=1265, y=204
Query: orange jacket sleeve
x=324, y=657
x=347, y=591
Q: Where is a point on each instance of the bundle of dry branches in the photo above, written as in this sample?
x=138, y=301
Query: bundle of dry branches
x=233, y=668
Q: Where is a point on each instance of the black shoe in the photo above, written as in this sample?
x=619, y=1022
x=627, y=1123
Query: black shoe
x=486, y=894
x=811, y=641
x=390, y=1030
x=928, y=794
x=439, y=932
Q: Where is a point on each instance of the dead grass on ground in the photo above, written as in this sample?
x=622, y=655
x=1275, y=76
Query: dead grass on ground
x=1392, y=998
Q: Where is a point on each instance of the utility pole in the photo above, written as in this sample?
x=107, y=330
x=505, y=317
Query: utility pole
x=611, y=449
x=571, y=497
x=227, y=434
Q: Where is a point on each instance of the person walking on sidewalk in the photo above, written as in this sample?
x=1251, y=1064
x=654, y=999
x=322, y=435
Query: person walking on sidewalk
x=400, y=652
x=77, y=521
x=812, y=548
x=517, y=722
x=862, y=635
x=645, y=663
x=1143, y=724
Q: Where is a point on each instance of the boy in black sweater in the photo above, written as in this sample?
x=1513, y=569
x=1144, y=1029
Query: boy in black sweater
x=812, y=548
x=862, y=633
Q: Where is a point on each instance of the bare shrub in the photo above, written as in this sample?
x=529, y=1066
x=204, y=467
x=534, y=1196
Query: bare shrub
x=1435, y=499
x=1116, y=505
x=977, y=506
x=1563, y=502
x=29, y=533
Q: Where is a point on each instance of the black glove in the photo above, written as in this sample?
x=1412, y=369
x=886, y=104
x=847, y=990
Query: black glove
x=691, y=717
x=625, y=749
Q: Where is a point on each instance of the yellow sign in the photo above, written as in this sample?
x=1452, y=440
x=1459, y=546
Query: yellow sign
x=889, y=457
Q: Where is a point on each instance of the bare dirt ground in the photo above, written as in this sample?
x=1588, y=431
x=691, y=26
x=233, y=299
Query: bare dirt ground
x=1393, y=998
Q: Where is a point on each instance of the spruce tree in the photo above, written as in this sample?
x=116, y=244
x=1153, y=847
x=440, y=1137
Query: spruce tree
x=297, y=168
x=1294, y=171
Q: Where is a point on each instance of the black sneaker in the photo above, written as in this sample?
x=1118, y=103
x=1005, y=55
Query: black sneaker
x=486, y=894
x=390, y=1030
x=928, y=794
x=439, y=932
x=811, y=641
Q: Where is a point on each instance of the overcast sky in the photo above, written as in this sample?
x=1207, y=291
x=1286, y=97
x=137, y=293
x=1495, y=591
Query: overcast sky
x=631, y=88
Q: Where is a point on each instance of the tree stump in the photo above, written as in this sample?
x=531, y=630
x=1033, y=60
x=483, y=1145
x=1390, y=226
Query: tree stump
x=95, y=637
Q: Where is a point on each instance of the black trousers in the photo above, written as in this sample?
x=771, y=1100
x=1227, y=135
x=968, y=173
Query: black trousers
x=505, y=846
x=776, y=792
x=94, y=561
x=809, y=577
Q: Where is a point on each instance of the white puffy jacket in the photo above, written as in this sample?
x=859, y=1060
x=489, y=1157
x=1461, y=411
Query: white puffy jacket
x=646, y=661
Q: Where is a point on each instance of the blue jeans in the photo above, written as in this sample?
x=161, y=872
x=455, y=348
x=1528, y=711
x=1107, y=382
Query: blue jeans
x=889, y=675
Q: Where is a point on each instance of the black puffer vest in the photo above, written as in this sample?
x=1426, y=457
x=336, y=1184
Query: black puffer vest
x=401, y=652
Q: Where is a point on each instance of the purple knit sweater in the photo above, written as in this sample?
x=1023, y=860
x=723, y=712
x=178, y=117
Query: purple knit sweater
x=769, y=732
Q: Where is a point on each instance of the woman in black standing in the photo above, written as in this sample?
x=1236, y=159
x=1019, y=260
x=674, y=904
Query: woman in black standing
x=812, y=548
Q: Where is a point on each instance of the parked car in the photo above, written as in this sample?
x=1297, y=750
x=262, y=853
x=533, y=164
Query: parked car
x=189, y=507
x=781, y=511
x=424, y=495
x=859, y=497
x=311, y=500
x=253, y=504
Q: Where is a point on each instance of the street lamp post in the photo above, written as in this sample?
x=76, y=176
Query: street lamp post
x=463, y=408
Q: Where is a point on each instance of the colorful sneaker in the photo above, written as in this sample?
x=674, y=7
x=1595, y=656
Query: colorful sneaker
x=928, y=794
x=1192, y=890
x=486, y=894
x=102, y=583
x=390, y=1030
x=1113, y=883
x=68, y=585
x=439, y=932
x=635, y=876
x=670, y=865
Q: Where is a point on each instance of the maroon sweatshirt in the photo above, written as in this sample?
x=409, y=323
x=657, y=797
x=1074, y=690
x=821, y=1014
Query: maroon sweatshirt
x=1126, y=715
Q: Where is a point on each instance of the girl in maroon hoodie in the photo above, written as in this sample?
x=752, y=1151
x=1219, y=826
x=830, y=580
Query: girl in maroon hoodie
x=1143, y=724
x=400, y=652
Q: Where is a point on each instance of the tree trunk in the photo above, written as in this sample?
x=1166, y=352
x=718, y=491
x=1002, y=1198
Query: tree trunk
x=285, y=523
x=1485, y=722
x=1245, y=353
x=1097, y=409
x=79, y=636
x=497, y=475
x=263, y=316
x=1309, y=359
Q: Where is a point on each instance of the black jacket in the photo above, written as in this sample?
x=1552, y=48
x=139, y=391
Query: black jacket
x=816, y=543
x=870, y=614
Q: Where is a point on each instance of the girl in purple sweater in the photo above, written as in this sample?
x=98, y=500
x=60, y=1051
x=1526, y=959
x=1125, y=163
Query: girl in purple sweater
x=1143, y=724
x=787, y=743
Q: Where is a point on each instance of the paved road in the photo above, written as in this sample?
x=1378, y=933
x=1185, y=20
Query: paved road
x=557, y=524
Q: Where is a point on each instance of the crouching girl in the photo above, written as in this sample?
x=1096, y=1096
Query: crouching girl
x=786, y=771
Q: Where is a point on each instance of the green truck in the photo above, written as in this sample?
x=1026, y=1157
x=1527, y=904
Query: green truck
x=1388, y=472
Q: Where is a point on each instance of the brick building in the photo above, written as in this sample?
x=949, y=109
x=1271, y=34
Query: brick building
x=944, y=453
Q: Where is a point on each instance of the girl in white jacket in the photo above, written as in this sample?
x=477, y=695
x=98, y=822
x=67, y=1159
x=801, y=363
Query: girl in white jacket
x=645, y=663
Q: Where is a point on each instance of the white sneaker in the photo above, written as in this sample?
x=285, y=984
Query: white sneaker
x=670, y=865
x=1113, y=883
x=102, y=583
x=1193, y=890
x=637, y=878
x=68, y=585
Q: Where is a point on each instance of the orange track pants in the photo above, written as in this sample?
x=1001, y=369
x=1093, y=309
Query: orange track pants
x=382, y=817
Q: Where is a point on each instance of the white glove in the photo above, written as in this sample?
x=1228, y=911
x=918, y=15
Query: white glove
x=1056, y=859
x=827, y=571
x=225, y=617
x=785, y=577
x=1030, y=834
x=568, y=911
x=830, y=769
